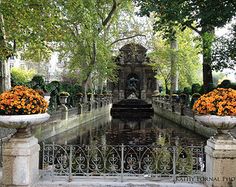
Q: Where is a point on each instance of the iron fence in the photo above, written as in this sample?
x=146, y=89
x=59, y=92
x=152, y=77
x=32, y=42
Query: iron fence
x=72, y=161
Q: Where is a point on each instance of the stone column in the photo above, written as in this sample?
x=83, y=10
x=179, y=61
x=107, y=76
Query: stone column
x=157, y=86
x=220, y=162
x=20, y=162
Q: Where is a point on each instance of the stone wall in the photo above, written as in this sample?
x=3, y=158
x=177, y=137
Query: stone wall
x=185, y=121
x=57, y=126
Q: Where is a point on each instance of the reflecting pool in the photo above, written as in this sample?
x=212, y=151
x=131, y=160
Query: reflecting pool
x=129, y=131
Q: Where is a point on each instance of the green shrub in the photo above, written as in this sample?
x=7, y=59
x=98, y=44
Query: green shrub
x=225, y=84
x=195, y=88
x=21, y=76
x=187, y=90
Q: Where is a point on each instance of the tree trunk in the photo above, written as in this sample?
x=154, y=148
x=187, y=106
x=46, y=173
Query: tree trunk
x=5, y=83
x=85, y=86
x=173, y=73
x=5, y=76
x=207, y=40
x=166, y=86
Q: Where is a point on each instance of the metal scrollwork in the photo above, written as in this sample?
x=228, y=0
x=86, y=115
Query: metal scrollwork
x=108, y=160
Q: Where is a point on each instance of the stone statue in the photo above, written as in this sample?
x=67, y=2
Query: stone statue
x=132, y=84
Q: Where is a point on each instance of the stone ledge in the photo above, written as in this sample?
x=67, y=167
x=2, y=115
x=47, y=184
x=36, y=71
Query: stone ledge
x=110, y=183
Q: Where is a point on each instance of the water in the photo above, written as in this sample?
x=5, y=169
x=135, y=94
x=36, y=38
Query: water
x=155, y=130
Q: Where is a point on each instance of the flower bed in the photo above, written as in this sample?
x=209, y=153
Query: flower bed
x=22, y=100
x=220, y=102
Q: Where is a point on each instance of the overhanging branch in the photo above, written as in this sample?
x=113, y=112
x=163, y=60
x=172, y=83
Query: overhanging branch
x=109, y=16
x=126, y=38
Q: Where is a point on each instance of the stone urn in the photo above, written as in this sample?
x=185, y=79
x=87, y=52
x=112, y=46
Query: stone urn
x=63, y=99
x=63, y=96
x=23, y=123
x=89, y=96
x=80, y=97
x=221, y=123
x=175, y=98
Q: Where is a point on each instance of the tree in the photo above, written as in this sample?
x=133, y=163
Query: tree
x=89, y=31
x=82, y=31
x=201, y=16
x=25, y=25
x=160, y=62
x=187, y=64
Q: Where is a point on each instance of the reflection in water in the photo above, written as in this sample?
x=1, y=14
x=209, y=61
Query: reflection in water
x=107, y=131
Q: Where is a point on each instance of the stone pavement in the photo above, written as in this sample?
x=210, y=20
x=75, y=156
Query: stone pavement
x=98, y=182
x=111, y=183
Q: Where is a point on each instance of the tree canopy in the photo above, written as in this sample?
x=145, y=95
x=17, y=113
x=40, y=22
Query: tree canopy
x=81, y=31
x=187, y=64
x=201, y=16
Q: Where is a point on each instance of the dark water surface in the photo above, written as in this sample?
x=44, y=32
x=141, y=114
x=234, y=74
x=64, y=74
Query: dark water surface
x=133, y=131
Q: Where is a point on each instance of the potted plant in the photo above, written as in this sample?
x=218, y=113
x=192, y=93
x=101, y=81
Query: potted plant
x=217, y=109
x=63, y=96
x=22, y=107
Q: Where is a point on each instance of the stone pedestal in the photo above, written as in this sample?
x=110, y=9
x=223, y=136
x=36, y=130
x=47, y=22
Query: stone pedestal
x=64, y=112
x=21, y=162
x=220, y=163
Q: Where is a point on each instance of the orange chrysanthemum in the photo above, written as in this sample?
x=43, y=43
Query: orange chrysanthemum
x=21, y=100
x=221, y=102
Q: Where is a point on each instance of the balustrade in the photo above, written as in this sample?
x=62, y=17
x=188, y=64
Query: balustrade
x=173, y=105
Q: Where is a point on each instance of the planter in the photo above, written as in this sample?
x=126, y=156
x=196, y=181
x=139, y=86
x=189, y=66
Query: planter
x=22, y=123
x=221, y=123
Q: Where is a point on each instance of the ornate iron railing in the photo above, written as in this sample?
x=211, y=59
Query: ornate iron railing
x=122, y=161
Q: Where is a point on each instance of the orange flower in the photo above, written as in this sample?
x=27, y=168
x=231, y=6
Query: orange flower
x=22, y=100
x=220, y=102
